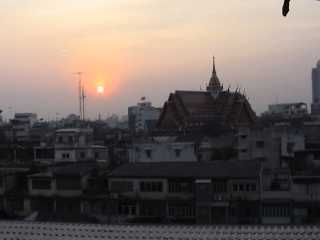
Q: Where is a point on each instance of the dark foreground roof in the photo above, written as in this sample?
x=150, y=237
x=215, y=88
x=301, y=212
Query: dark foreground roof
x=216, y=169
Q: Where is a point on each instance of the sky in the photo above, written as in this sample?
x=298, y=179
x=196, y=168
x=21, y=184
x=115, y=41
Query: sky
x=150, y=48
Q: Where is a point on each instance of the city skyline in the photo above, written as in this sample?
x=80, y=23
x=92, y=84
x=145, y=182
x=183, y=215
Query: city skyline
x=133, y=50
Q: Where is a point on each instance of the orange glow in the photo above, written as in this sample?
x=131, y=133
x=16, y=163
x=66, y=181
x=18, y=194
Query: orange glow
x=100, y=89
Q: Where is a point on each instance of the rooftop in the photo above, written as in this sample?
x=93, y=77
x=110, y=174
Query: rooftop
x=45, y=230
x=216, y=169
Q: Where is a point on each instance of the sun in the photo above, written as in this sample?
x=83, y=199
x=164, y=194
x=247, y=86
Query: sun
x=100, y=89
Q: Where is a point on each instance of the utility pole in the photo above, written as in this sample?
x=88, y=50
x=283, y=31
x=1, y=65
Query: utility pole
x=81, y=95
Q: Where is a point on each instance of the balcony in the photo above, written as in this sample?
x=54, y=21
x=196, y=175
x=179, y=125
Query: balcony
x=276, y=195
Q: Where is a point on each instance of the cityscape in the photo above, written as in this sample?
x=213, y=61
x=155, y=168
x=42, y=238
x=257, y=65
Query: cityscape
x=233, y=156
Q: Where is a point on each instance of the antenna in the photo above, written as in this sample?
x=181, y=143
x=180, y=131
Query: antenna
x=79, y=74
x=82, y=96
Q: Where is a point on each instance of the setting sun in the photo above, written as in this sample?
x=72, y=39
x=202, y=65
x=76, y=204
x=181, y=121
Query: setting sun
x=100, y=89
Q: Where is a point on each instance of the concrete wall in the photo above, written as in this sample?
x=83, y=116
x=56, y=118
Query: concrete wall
x=163, y=152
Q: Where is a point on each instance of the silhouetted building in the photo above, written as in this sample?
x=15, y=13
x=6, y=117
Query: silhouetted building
x=288, y=110
x=315, y=106
x=76, y=144
x=21, y=125
x=217, y=192
x=212, y=108
x=142, y=117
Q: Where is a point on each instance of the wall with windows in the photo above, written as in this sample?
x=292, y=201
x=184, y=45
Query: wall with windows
x=248, y=189
x=163, y=152
x=41, y=186
x=276, y=214
x=56, y=185
x=65, y=155
x=148, y=188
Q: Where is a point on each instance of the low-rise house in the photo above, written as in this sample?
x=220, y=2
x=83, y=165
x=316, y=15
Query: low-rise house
x=217, y=192
x=270, y=145
x=61, y=189
x=163, y=149
x=76, y=144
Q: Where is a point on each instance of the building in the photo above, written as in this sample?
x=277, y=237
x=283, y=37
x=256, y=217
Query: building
x=271, y=145
x=194, y=192
x=63, y=190
x=142, y=117
x=288, y=110
x=214, y=108
x=315, y=106
x=76, y=144
x=22, y=124
x=1, y=118
x=12, y=190
x=163, y=149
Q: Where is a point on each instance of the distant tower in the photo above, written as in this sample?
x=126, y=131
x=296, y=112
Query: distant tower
x=315, y=106
x=214, y=86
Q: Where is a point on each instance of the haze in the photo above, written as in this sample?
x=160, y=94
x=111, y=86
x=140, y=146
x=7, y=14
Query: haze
x=136, y=48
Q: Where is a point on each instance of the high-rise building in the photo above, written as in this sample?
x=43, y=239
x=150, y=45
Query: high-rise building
x=315, y=106
x=143, y=116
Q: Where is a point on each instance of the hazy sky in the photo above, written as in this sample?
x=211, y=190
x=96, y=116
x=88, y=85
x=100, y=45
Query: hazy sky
x=151, y=48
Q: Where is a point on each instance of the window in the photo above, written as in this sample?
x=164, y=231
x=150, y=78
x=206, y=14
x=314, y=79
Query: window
x=219, y=187
x=290, y=147
x=181, y=211
x=127, y=210
x=247, y=187
x=180, y=187
x=177, y=152
x=148, y=211
x=276, y=211
x=151, y=186
x=65, y=155
x=68, y=183
x=148, y=153
x=121, y=186
x=82, y=154
x=60, y=139
x=235, y=187
x=41, y=183
x=260, y=144
x=70, y=139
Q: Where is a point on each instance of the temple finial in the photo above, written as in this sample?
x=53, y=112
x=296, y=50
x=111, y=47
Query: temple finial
x=214, y=86
x=213, y=66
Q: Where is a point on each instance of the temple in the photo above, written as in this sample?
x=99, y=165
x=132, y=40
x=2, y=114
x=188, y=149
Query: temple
x=203, y=109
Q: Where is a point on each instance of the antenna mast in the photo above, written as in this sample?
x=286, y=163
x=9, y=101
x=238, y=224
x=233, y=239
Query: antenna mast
x=81, y=95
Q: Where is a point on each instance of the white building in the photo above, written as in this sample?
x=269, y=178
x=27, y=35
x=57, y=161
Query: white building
x=163, y=149
x=288, y=110
x=269, y=144
x=76, y=144
x=143, y=116
x=21, y=125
